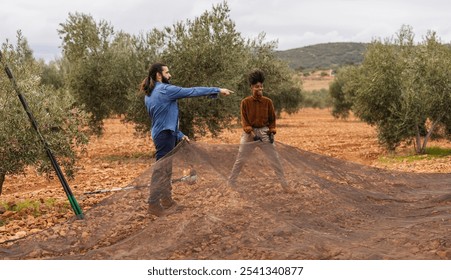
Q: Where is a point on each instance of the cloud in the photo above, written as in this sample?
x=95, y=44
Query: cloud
x=293, y=23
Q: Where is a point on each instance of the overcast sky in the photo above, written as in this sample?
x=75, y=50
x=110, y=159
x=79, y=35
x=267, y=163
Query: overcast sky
x=293, y=23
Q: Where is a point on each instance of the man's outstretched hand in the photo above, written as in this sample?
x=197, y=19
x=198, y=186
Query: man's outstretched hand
x=225, y=91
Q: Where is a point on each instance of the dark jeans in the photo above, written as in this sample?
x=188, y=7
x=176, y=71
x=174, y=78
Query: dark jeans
x=164, y=142
x=160, y=185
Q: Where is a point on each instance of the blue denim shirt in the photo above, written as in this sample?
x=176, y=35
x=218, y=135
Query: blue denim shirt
x=163, y=108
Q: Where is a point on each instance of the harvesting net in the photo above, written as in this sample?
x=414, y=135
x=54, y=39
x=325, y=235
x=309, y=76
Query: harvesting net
x=333, y=210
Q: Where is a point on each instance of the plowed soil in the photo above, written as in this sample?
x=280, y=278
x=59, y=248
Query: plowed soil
x=119, y=156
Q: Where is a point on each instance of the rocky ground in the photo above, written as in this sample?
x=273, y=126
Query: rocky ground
x=30, y=202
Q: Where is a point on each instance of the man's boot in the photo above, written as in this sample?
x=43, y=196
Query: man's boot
x=168, y=202
x=156, y=209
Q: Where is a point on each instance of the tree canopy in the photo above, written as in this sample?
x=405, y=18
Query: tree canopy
x=60, y=122
x=402, y=88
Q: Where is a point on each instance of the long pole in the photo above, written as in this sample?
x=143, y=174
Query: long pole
x=56, y=167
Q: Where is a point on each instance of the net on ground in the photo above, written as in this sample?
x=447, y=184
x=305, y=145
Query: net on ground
x=335, y=210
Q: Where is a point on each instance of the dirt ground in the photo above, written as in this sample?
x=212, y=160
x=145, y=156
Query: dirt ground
x=119, y=156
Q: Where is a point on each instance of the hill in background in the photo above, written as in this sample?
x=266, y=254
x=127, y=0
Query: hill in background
x=323, y=56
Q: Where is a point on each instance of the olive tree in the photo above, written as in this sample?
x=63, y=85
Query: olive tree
x=103, y=67
x=85, y=45
x=343, y=91
x=402, y=88
x=428, y=93
x=59, y=121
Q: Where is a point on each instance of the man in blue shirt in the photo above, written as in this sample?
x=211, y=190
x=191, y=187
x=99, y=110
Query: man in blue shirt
x=161, y=104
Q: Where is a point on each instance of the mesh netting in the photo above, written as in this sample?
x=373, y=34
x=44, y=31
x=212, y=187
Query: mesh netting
x=335, y=210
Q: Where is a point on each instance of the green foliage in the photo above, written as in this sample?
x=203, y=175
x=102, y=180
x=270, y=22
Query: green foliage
x=59, y=121
x=52, y=74
x=288, y=99
x=84, y=43
x=430, y=89
x=343, y=90
x=82, y=36
x=408, y=85
x=101, y=66
x=401, y=88
x=317, y=99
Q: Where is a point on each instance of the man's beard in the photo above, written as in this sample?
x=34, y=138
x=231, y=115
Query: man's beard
x=165, y=80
